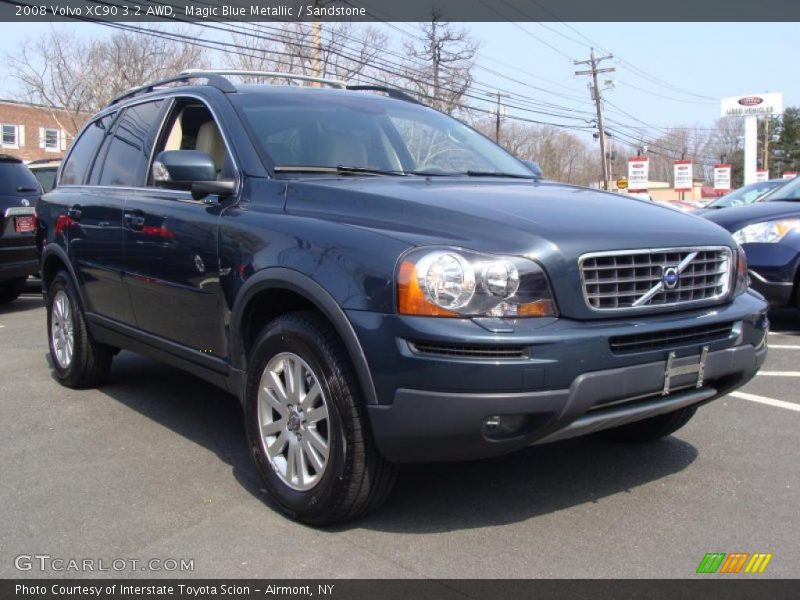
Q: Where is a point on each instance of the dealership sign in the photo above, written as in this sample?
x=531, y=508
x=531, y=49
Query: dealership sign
x=762, y=175
x=638, y=173
x=683, y=176
x=722, y=178
x=789, y=174
x=757, y=105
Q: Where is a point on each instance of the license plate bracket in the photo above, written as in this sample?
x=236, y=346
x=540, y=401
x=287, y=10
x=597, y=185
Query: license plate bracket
x=24, y=224
x=698, y=367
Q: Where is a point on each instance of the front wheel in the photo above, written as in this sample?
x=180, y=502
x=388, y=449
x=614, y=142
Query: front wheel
x=306, y=424
x=78, y=360
x=652, y=429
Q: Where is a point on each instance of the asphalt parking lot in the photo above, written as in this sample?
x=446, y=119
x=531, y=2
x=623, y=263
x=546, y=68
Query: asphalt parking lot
x=154, y=465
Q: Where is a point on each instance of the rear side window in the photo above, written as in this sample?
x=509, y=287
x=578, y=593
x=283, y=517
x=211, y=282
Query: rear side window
x=82, y=156
x=16, y=178
x=130, y=146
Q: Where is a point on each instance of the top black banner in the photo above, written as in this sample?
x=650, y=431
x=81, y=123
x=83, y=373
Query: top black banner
x=397, y=11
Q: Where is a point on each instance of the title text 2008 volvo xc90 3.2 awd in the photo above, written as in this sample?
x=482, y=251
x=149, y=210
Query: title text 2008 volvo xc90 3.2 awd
x=378, y=283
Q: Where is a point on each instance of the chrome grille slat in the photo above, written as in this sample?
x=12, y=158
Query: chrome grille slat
x=633, y=279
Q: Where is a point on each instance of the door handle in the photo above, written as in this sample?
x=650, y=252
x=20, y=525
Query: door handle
x=134, y=220
x=74, y=212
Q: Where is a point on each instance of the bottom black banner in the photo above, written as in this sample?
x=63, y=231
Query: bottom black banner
x=409, y=589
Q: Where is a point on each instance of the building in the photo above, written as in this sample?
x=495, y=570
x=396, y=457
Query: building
x=33, y=131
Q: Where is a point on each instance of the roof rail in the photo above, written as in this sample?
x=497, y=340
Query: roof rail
x=389, y=91
x=222, y=72
x=213, y=79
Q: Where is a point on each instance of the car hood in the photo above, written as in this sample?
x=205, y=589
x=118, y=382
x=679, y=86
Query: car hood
x=502, y=215
x=552, y=223
x=736, y=217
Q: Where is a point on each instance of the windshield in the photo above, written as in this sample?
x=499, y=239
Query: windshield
x=789, y=191
x=46, y=176
x=745, y=195
x=370, y=133
x=16, y=179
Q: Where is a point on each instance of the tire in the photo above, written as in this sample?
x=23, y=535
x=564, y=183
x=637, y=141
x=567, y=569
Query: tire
x=652, y=429
x=352, y=478
x=83, y=362
x=11, y=289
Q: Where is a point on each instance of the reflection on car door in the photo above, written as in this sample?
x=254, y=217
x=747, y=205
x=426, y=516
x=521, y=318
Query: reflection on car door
x=93, y=224
x=171, y=262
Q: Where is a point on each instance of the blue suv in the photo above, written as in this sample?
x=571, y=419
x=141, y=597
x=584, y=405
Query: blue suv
x=769, y=232
x=379, y=283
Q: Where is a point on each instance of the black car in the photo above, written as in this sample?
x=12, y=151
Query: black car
x=378, y=283
x=19, y=193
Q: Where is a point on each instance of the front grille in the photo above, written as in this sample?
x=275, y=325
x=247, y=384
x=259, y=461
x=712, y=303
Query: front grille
x=482, y=352
x=646, y=279
x=671, y=337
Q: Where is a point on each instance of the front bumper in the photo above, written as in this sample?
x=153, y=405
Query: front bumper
x=569, y=382
x=777, y=293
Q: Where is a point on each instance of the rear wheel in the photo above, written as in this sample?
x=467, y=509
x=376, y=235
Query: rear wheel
x=307, y=427
x=654, y=428
x=11, y=289
x=78, y=360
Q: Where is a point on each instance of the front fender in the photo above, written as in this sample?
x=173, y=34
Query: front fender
x=294, y=281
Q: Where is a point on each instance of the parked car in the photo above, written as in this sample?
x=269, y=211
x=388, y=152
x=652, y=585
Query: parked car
x=747, y=194
x=45, y=171
x=379, y=284
x=19, y=192
x=769, y=232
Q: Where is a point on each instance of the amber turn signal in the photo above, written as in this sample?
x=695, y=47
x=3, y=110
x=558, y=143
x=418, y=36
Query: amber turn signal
x=411, y=299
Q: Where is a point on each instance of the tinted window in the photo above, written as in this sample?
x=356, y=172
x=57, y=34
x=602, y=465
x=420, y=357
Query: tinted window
x=84, y=151
x=16, y=178
x=130, y=145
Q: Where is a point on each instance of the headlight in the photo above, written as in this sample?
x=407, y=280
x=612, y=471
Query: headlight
x=451, y=282
x=767, y=232
x=742, y=278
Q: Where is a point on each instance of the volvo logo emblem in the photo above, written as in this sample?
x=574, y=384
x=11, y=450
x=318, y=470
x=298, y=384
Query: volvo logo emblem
x=670, y=277
x=25, y=202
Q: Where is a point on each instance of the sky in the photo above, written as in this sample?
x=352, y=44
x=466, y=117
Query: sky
x=667, y=74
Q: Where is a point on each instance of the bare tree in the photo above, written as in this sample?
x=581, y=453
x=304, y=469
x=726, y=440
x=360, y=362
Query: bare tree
x=346, y=52
x=80, y=76
x=563, y=156
x=444, y=57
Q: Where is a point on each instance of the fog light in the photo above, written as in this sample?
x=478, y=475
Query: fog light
x=492, y=423
x=505, y=426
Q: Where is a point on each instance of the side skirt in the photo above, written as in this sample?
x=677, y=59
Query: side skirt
x=212, y=369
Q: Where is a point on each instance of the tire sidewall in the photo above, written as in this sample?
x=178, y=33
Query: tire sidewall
x=60, y=282
x=287, y=336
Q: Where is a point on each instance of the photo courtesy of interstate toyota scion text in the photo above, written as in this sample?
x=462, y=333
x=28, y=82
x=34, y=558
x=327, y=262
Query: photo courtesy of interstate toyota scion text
x=379, y=283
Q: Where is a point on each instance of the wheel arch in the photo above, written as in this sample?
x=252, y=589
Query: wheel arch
x=277, y=282
x=55, y=259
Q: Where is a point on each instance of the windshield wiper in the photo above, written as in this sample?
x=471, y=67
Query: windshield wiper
x=497, y=174
x=339, y=169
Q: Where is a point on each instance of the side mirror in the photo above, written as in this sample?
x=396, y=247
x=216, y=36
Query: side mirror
x=534, y=168
x=190, y=170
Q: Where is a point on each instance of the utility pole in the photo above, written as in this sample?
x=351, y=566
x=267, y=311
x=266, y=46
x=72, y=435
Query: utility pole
x=497, y=114
x=765, y=162
x=596, y=96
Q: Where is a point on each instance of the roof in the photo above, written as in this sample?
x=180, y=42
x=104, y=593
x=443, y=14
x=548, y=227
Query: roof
x=218, y=79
